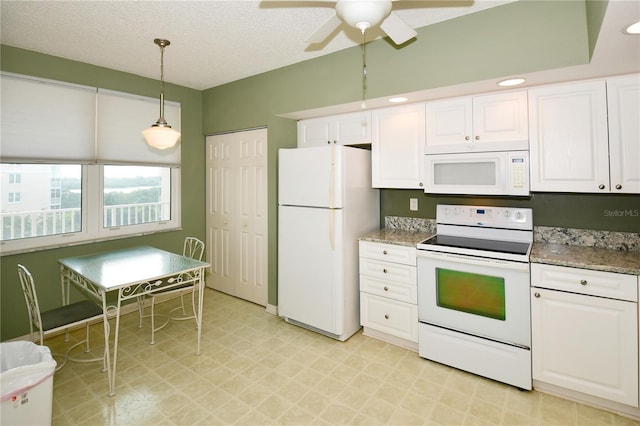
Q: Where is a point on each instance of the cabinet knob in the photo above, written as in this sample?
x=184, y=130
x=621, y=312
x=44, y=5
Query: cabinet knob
x=384, y=270
x=537, y=295
x=384, y=252
x=420, y=184
x=477, y=138
x=583, y=282
x=466, y=138
x=386, y=288
x=618, y=186
x=601, y=186
x=386, y=316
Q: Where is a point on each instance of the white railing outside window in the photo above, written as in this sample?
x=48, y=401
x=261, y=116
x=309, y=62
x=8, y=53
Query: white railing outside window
x=63, y=221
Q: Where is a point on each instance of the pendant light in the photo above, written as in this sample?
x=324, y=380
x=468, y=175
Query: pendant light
x=160, y=135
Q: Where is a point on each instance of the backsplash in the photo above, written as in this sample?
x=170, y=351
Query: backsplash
x=416, y=224
x=621, y=241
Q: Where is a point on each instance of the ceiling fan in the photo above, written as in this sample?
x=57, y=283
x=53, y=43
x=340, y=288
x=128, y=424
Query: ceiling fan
x=365, y=14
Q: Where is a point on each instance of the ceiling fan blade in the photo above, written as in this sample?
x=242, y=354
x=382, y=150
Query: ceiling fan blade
x=325, y=29
x=397, y=30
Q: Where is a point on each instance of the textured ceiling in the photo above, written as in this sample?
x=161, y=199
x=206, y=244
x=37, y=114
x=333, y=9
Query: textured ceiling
x=212, y=42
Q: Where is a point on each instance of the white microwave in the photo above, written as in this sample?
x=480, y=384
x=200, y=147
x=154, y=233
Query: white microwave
x=478, y=173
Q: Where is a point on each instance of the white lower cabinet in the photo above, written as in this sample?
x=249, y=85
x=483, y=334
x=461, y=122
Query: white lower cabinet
x=388, y=293
x=585, y=331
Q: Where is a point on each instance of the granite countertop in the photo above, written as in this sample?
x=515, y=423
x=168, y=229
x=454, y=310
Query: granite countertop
x=599, y=259
x=399, y=237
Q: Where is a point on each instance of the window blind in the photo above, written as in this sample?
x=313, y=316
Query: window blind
x=56, y=122
x=46, y=121
x=121, y=119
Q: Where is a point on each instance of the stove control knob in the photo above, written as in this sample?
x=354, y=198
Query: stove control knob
x=507, y=213
x=447, y=212
x=519, y=216
x=456, y=211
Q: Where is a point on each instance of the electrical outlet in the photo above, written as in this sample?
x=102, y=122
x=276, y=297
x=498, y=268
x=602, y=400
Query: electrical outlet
x=413, y=204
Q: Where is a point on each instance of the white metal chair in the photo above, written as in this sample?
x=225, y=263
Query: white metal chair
x=58, y=319
x=193, y=248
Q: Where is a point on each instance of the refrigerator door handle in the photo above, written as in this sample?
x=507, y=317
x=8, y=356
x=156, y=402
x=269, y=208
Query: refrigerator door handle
x=332, y=185
x=332, y=178
x=332, y=229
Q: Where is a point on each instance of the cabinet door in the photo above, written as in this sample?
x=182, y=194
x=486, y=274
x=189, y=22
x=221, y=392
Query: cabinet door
x=585, y=343
x=623, y=97
x=315, y=132
x=501, y=122
x=353, y=129
x=568, y=138
x=344, y=129
x=449, y=126
x=397, y=147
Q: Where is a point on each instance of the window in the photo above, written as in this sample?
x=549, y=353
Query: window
x=62, y=204
x=85, y=172
x=135, y=195
x=28, y=213
x=14, y=197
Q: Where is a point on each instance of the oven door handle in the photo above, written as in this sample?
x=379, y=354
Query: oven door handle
x=472, y=260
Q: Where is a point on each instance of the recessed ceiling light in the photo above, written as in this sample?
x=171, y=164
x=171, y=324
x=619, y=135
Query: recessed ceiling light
x=398, y=99
x=633, y=29
x=511, y=82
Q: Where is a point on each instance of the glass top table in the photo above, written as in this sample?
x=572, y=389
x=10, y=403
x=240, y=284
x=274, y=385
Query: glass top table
x=132, y=272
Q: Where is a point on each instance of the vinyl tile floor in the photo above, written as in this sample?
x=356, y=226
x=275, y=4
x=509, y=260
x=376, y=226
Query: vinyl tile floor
x=255, y=369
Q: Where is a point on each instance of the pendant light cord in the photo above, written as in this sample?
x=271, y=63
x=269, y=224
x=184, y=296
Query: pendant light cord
x=162, y=81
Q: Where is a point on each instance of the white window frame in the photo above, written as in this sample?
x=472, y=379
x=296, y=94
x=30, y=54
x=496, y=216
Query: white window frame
x=92, y=218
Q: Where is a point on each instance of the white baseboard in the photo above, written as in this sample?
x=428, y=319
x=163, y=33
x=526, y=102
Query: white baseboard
x=272, y=309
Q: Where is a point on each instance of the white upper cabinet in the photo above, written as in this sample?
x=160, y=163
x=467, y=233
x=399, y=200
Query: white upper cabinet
x=344, y=129
x=623, y=100
x=575, y=147
x=568, y=135
x=497, y=122
x=397, y=147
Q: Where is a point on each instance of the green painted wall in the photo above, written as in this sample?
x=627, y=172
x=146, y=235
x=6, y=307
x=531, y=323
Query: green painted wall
x=607, y=212
x=43, y=264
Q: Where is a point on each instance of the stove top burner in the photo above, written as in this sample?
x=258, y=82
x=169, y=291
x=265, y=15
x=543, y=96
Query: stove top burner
x=510, y=247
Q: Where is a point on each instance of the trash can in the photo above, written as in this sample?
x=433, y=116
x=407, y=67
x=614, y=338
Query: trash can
x=26, y=384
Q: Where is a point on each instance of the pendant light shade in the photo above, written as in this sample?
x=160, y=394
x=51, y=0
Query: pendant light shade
x=160, y=135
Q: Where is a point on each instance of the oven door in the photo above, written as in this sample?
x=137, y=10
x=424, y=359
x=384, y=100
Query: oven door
x=484, y=297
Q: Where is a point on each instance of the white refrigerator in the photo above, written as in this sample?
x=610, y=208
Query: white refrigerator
x=325, y=204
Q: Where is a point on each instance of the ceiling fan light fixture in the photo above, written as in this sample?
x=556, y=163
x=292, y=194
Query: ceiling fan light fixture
x=160, y=135
x=363, y=14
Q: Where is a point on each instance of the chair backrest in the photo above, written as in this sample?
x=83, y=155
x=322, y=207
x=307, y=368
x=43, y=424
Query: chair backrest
x=193, y=248
x=31, y=299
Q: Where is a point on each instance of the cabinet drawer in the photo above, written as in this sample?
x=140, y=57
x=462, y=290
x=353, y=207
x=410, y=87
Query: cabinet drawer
x=402, y=292
x=388, y=252
x=389, y=316
x=388, y=271
x=585, y=281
